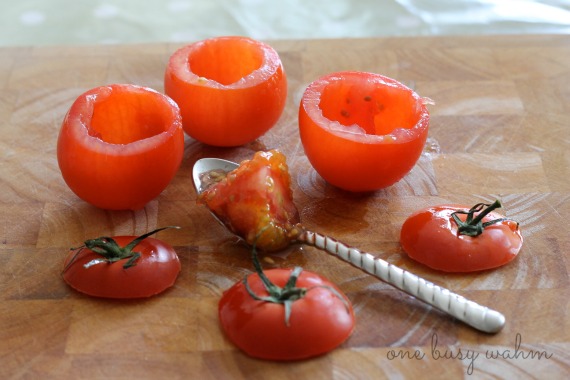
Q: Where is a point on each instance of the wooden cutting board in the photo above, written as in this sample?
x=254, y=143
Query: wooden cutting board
x=500, y=128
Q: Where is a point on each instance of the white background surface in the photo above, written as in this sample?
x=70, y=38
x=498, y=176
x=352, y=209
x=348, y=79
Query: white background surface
x=53, y=22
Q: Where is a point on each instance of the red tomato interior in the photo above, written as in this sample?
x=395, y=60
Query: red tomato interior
x=378, y=110
x=225, y=60
x=124, y=117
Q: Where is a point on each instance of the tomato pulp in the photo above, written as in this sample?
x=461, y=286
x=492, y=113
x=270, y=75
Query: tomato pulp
x=255, y=201
x=120, y=146
x=319, y=321
x=362, y=131
x=431, y=237
x=231, y=90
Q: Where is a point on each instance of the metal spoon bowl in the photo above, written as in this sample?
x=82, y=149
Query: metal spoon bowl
x=479, y=317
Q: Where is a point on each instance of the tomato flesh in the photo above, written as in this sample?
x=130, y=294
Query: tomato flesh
x=155, y=271
x=362, y=131
x=319, y=322
x=231, y=90
x=203, y=60
x=120, y=146
x=255, y=201
x=430, y=237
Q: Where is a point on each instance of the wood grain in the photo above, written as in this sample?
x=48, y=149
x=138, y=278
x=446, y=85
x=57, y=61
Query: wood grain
x=499, y=129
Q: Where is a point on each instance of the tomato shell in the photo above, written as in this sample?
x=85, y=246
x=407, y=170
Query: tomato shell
x=362, y=131
x=319, y=322
x=120, y=146
x=231, y=90
x=430, y=237
x=155, y=271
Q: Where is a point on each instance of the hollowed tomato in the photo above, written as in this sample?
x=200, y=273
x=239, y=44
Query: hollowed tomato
x=362, y=131
x=231, y=90
x=120, y=145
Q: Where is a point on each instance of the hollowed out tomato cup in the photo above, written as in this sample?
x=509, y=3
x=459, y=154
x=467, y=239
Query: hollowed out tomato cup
x=362, y=131
x=231, y=90
x=120, y=146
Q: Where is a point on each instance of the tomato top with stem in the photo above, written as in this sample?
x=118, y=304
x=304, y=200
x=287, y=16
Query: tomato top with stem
x=453, y=238
x=231, y=90
x=285, y=314
x=362, y=131
x=120, y=145
x=122, y=266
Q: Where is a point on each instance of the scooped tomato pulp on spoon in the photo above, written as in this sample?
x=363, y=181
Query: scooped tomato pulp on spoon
x=255, y=201
x=362, y=131
x=231, y=90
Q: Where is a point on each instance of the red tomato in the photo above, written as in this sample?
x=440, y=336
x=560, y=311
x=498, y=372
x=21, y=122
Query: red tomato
x=120, y=145
x=231, y=90
x=318, y=322
x=255, y=201
x=433, y=237
x=362, y=131
x=130, y=268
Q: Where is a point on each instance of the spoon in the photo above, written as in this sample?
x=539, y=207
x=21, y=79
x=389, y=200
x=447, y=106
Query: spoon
x=477, y=316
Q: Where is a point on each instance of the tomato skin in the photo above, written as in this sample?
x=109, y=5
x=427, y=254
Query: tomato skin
x=392, y=129
x=231, y=90
x=319, y=322
x=430, y=237
x=155, y=271
x=120, y=146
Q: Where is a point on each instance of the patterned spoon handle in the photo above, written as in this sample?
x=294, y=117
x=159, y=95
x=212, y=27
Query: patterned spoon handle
x=473, y=314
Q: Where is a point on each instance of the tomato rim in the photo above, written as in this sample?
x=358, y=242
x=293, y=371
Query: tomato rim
x=84, y=109
x=268, y=66
x=311, y=100
x=377, y=134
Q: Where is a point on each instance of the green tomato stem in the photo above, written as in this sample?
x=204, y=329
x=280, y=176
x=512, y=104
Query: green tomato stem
x=473, y=225
x=111, y=251
x=287, y=294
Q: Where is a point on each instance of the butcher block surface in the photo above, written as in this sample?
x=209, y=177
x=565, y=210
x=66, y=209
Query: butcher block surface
x=500, y=129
